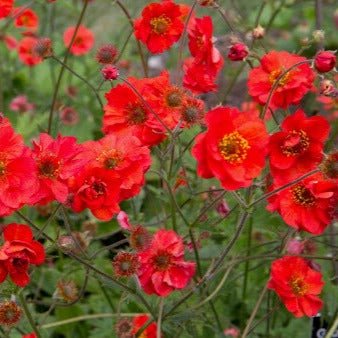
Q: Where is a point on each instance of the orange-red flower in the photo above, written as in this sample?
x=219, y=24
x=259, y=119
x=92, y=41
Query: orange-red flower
x=298, y=147
x=297, y=285
x=125, y=112
x=18, y=252
x=232, y=149
x=26, y=53
x=57, y=160
x=124, y=156
x=292, y=86
x=139, y=321
x=160, y=26
x=307, y=205
x=162, y=266
x=26, y=18
x=83, y=41
x=6, y=7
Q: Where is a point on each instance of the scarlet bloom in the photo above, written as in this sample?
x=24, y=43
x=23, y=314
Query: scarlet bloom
x=83, y=41
x=298, y=147
x=307, y=205
x=18, y=252
x=125, y=157
x=98, y=190
x=325, y=61
x=57, y=160
x=238, y=52
x=292, y=86
x=139, y=321
x=6, y=7
x=18, y=181
x=26, y=52
x=232, y=149
x=160, y=26
x=26, y=17
x=297, y=285
x=125, y=112
x=162, y=266
x=30, y=335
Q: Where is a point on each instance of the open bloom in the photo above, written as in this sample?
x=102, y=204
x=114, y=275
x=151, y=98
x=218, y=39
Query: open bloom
x=291, y=87
x=232, y=149
x=18, y=252
x=298, y=147
x=26, y=18
x=26, y=52
x=139, y=321
x=162, y=266
x=297, y=285
x=307, y=205
x=57, y=160
x=159, y=26
x=83, y=41
x=6, y=7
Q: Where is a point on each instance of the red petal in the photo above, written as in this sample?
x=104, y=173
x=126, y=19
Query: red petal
x=20, y=232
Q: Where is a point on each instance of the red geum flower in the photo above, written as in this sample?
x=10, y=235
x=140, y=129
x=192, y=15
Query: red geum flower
x=139, y=321
x=57, y=160
x=123, y=155
x=83, y=41
x=25, y=50
x=21, y=104
x=238, y=52
x=10, y=41
x=162, y=266
x=298, y=147
x=297, y=285
x=98, y=190
x=110, y=72
x=6, y=7
x=25, y=17
x=125, y=112
x=325, y=61
x=292, y=86
x=232, y=149
x=159, y=26
x=18, y=252
x=18, y=180
x=30, y=335
x=307, y=205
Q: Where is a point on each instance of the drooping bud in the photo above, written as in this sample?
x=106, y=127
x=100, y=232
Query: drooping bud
x=238, y=52
x=258, y=32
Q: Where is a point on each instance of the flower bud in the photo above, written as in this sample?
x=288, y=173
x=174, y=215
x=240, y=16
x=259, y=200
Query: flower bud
x=325, y=61
x=318, y=36
x=327, y=88
x=258, y=32
x=106, y=54
x=238, y=52
x=110, y=72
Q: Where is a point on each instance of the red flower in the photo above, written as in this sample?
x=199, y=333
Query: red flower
x=139, y=321
x=83, y=41
x=160, y=26
x=238, y=52
x=18, y=181
x=297, y=285
x=232, y=149
x=308, y=205
x=6, y=7
x=125, y=112
x=162, y=266
x=325, y=61
x=298, y=147
x=30, y=335
x=18, y=252
x=10, y=42
x=110, y=72
x=291, y=88
x=125, y=157
x=25, y=50
x=57, y=160
x=25, y=17
x=98, y=190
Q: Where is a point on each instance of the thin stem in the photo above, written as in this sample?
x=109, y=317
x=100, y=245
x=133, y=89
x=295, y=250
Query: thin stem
x=28, y=314
x=319, y=20
x=159, y=320
x=332, y=328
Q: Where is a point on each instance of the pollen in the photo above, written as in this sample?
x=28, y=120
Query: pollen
x=110, y=159
x=234, y=148
x=275, y=74
x=160, y=24
x=137, y=114
x=2, y=168
x=173, y=97
x=49, y=167
x=298, y=286
x=295, y=143
x=302, y=195
x=162, y=261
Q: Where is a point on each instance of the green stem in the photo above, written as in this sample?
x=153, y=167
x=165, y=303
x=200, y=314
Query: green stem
x=28, y=315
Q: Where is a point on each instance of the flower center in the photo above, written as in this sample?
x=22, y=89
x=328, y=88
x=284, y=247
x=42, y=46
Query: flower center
x=49, y=167
x=112, y=159
x=99, y=188
x=174, y=98
x=234, y=148
x=162, y=261
x=302, y=195
x=275, y=74
x=160, y=24
x=295, y=143
x=137, y=114
x=298, y=286
x=20, y=262
x=2, y=168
